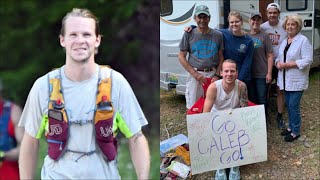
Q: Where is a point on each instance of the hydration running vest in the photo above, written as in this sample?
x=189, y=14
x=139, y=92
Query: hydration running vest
x=58, y=128
x=7, y=142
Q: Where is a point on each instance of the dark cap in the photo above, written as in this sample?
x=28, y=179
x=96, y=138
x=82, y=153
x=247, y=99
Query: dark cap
x=202, y=9
x=255, y=14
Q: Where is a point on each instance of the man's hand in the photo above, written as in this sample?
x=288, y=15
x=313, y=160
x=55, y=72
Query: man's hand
x=200, y=78
x=268, y=78
x=187, y=29
x=214, y=78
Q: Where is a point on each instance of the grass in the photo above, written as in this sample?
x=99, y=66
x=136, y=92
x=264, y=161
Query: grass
x=125, y=166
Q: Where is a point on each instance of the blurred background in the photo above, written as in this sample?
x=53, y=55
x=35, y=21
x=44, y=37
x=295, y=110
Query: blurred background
x=29, y=48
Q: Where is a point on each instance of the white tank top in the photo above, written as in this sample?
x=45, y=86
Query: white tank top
x=226, y=101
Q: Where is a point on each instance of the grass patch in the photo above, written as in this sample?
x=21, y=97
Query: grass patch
x=125, y=166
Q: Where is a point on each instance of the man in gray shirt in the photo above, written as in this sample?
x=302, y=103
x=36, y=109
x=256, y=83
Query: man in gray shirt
x=205, y=48
x=273, y=27
x=80, y=107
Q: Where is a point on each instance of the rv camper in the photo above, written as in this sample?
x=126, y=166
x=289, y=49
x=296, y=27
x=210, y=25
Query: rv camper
x=177, y=14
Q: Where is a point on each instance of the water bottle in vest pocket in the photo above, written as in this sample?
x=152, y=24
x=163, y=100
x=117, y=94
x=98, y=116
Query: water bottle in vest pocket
x=58, y=133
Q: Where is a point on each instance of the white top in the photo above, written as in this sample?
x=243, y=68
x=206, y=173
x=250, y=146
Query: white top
x=80, y=100
x=226, y=101
x=300, y=51
x=276, y=33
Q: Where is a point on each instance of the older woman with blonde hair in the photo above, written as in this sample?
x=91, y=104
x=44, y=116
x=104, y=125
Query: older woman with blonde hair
x=293, y=63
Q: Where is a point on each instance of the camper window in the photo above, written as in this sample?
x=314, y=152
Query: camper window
x=166, y=7
x=297, y=5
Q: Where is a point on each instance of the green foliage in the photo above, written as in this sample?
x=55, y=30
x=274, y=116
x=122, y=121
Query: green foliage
x=29, y=44
x=29, y=48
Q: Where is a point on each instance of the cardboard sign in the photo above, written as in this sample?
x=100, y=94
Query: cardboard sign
x=225, y=139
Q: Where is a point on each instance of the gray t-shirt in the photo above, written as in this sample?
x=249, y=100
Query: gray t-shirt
x=262, y=46
x=80, y=104
x=203, y=48
x=276, y=33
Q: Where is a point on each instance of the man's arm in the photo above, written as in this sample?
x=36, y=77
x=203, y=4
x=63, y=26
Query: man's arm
x=270, y=57
x=243, y=94
x=210, y=97
x=189, y=28
x=189, y=68
x=13, y=154
x=140, y=155
x=28, y=156
x=270, y=65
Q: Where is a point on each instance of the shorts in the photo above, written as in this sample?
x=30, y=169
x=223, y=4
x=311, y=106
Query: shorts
x=194, y=88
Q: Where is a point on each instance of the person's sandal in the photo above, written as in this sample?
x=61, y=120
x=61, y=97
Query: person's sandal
x=285, y=132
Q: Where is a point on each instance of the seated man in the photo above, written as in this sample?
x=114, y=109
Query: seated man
x=227, y=93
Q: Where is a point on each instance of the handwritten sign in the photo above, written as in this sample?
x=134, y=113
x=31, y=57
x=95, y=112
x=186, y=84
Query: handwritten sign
x=229, y=138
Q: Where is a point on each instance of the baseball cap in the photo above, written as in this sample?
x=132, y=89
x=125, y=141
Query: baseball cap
x=255, y=14
x=202, y=9
x=273, y=5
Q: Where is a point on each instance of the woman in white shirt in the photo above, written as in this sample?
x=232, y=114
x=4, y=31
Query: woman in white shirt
x=293, y=63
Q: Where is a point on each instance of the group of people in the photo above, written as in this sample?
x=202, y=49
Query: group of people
x=79, y=107
x=81, y=132
x=242, y=65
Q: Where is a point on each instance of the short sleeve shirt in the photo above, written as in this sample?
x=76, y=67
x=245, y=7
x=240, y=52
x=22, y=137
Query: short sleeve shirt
x=262, y=46
x=203, y=48
x=80, y=100
x=276, y=33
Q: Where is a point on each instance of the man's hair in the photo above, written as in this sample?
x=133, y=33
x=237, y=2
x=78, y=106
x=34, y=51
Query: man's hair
x=77, y=12
x=230, y=61
x=295, y=18
x=236, y=14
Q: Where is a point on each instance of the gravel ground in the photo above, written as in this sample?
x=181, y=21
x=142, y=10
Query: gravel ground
x=297, y=160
